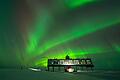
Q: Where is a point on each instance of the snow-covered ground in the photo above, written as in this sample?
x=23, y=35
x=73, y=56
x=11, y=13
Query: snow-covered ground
x=16, y=74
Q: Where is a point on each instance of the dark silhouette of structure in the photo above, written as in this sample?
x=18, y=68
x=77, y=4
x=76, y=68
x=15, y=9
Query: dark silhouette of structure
x=82, y=64
x=67, y=57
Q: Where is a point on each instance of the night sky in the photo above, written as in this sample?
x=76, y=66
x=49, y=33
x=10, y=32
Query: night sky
x=31, y=31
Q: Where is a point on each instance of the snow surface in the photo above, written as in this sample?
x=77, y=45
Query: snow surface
x=24, y=74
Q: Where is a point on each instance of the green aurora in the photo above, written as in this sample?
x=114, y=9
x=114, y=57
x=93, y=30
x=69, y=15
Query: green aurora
x=57, y=28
